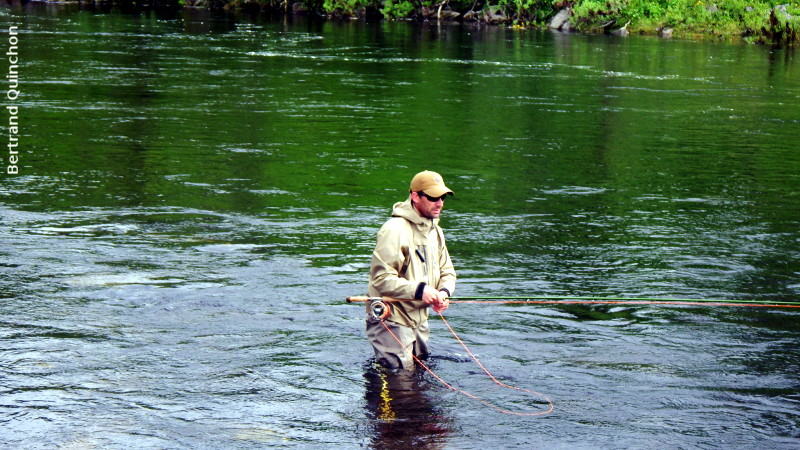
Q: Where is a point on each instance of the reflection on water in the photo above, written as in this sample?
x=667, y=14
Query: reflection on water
x=402, y=413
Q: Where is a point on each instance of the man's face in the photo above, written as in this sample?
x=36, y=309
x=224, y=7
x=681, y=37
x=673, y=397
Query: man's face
x=425, y=206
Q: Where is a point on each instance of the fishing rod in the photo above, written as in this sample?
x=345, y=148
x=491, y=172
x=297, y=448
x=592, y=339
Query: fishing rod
x=588, y=300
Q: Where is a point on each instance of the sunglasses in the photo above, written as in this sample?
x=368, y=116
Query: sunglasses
x=432, y=199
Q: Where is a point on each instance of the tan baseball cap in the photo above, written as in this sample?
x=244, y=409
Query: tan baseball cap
x=430, y=183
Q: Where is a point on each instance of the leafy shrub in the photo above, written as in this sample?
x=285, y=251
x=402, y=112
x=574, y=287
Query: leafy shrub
x=528, y=12
x=784, y=24
x=346, y=7
x=592, y=15
x=397, y=9
x=765, y=21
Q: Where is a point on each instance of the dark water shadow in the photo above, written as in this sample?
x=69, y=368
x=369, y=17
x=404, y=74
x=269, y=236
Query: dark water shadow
x=401, y=411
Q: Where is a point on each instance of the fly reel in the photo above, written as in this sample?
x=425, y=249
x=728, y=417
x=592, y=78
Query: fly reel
x=380, y=310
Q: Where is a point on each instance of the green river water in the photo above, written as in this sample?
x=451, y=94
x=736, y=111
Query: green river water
x=197, y=193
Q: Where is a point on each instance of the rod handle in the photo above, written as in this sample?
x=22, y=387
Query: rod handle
x=365, y=299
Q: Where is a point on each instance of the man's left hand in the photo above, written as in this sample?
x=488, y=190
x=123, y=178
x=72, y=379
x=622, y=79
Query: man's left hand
x=441, y=303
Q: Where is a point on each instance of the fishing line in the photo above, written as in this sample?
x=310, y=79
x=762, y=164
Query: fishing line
x=472, y=396
x=640, y=300
x=629, y=302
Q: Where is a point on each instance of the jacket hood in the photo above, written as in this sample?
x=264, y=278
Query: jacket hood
x=407, y=211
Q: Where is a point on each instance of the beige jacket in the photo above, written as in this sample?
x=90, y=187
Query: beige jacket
x=410, y=250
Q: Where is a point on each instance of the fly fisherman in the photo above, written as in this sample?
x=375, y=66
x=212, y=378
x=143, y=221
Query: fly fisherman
x=410, y=262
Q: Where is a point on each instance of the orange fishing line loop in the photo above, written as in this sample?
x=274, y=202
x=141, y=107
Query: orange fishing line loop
x=472, y=396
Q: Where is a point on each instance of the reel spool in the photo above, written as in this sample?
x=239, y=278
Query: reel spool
x=380, y=310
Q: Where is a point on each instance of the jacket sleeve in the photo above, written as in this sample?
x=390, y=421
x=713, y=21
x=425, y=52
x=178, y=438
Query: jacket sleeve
x=447, y=271
x=389, y=261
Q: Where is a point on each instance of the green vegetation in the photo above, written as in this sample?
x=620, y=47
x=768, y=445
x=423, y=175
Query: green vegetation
x=769, y=22
x=759, y=21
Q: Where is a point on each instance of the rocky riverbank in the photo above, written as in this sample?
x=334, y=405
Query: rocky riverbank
x=767, y=22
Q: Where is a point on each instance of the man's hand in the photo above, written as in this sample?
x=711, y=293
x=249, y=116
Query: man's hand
x=444, y=302
x=437, y=299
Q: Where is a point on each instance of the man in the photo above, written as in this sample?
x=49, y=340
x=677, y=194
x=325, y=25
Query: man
x=411, y=262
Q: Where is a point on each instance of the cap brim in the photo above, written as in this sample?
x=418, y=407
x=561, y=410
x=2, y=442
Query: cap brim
x=438, y=191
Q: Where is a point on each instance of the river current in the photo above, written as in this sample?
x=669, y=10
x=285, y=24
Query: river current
x=197, y=194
